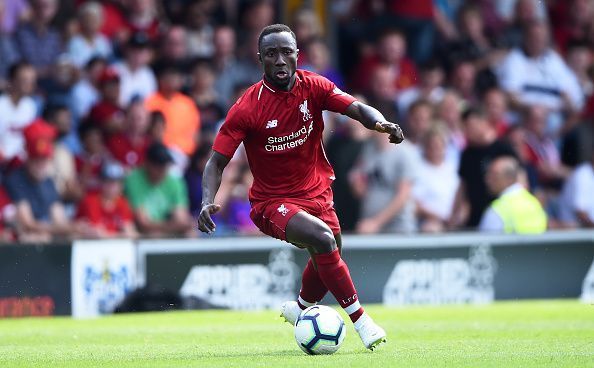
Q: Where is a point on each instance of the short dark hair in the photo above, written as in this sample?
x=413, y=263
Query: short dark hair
x=275, y=28
x=15, y=68
x=472, y=112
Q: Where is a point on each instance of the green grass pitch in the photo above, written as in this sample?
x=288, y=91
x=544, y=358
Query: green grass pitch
x=509, y=334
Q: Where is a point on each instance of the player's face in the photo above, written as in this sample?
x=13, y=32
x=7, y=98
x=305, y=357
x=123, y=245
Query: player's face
x=278, y=54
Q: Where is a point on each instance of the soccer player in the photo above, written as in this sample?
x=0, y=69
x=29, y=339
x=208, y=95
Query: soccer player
x=279, y=121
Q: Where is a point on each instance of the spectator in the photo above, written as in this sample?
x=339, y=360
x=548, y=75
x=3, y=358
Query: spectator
x=17, y=110
x=85, y=93
x=430, y=88
x=515, y=210
x=578, y=143
x=92, y=157
x=343, y=152
x=137, y=79
x=40, y=215
x=384, y=180
x=13, y=12
x=141, y=16
x=390, y=52
x=543, y=155
x=483, y=147
x=107, y=214
x=200, y=32
x=58, y=87
x=159, y=200
x=519, y=14
x=8, y=56
x=581, y=61
x=576, y=22
x=63, y=167
x=555, y=86
x=182, y=118
x=205, y=96
x=319, y=61
x=420, y=120
x=576, y=199
x=463, y=81
x=235, y=217
x=307, y=28
x=89, y=43
x=436, y=184
x=231, y=70
x=417, y=20
x=129, y=147
x=7, y=217
x=382, y=92
x=193, y=178
x=37, y=41
x=473, y=43
x=497, y=110
x=449, y=111
x=174, y=48
x=107, y=113
x=156, y=130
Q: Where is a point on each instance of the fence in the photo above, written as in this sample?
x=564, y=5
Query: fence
x=89, y=278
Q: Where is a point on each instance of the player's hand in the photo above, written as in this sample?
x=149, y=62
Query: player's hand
x=395, y=132
x=205, y=222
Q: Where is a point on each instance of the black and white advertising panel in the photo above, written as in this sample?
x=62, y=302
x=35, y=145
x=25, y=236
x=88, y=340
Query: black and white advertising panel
x=255, y=273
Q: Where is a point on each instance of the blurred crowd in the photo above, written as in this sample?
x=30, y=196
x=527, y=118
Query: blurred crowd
x=109, y=108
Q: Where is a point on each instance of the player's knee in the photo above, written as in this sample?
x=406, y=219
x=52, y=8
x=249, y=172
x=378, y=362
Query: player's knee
x=325, y=242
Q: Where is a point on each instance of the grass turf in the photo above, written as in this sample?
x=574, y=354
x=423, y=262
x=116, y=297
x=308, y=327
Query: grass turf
x=509, y=334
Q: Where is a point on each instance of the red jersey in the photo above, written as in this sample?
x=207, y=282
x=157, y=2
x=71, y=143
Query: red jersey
x=125, y=151
x=282, y=135
x=113, y=219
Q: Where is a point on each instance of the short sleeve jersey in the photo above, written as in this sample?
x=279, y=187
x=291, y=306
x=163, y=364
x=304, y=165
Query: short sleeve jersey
x=282, y=135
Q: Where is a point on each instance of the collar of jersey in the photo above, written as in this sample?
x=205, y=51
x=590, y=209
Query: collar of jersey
x=279, y=92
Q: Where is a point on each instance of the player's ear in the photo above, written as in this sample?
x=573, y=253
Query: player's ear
x=297, y=54
x=259, y=57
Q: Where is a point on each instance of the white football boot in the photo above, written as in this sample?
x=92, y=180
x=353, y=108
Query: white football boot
x=290, y=311
x=370, y=333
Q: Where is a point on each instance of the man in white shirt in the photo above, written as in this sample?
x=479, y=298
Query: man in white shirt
x=136, y=77
x=537, y=75
x=577, y=197
x=17, y=110
x=515, y=210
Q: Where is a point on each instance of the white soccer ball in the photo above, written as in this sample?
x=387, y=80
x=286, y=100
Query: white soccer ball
x=319, y=330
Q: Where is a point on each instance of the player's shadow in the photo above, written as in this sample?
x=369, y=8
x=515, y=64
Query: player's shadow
x=271, y=353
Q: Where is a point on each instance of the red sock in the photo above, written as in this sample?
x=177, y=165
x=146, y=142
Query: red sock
x=335, y=274
x=312, y=288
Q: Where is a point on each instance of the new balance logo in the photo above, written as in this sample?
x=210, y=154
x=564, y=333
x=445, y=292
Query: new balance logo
x=271, y=124
x=283, y=210
x=305, y=111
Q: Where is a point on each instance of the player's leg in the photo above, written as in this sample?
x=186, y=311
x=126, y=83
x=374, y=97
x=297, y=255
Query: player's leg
x=309, y=231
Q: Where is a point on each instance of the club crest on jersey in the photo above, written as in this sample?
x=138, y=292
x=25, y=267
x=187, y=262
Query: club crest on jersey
x=305, y=111
x=271, y=124
x=282, y=209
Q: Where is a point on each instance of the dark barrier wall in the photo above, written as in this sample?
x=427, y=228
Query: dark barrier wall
x=34, y=280
x=256, y=273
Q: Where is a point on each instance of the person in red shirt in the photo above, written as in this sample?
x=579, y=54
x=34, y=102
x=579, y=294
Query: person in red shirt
x=391, y=53
x=129, y=147
x=279, y=120
x=107, y=113
x=107, y=214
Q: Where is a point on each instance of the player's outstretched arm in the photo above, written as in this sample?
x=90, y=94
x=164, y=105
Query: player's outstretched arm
x=211, y=181
x=374, y=120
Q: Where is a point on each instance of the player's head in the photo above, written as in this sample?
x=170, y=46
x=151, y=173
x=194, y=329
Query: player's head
x=277, y=51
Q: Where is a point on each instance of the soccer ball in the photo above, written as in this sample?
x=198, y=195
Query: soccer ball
x=319, y=330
